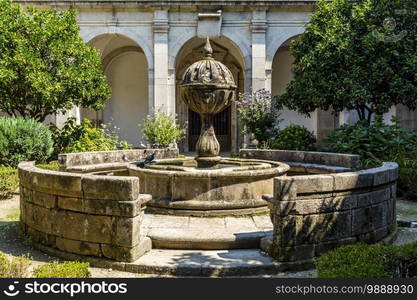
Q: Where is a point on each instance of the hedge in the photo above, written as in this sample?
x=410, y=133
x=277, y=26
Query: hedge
x=369, y=261
x=9, y=181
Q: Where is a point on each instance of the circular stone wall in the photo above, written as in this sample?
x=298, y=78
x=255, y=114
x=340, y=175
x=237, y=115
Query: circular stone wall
x=315, y=213
x=83, y=214
x=228, y=191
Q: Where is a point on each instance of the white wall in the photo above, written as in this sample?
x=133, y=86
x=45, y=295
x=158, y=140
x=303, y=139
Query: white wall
x=128, y=106
x=281, y=76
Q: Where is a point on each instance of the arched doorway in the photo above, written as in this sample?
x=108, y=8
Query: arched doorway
x=281, y=77
x=125, y=66
x=321, y=122
x=225, y=123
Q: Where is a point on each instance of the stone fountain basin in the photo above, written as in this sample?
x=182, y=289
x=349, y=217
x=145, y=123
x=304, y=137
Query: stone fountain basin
x=236, y=187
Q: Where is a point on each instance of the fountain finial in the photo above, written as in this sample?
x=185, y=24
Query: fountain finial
x=208, y=51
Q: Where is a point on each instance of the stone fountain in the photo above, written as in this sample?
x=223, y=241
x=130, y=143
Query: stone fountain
x=208, y=88
x=208, y=185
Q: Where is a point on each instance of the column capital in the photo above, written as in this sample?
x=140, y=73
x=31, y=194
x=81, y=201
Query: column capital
x=160, y=21
x=259, y=23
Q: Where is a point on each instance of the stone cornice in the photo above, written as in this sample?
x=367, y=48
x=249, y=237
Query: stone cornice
x=168, y=3
x=160, y=21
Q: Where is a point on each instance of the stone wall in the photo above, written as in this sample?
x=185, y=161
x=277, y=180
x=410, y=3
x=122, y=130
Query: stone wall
x=307, y=162
x=85, y=162
x=83, y=214
x=333, y=205
x=315, y=213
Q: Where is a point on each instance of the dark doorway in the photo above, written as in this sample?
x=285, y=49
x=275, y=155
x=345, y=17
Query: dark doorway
x=221, y=127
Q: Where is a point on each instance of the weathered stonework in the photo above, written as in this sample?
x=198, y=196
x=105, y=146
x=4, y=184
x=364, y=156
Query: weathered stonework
x=328, y=204
x=316, y=213
x=98, y=218
x=101, y=161
x=233, y=190
x=83, y=214
x=329, y=162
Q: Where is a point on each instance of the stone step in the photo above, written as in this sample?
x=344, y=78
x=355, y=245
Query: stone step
x=202, y=263
x=174, y=232
x=205, y=263
x=196, y=239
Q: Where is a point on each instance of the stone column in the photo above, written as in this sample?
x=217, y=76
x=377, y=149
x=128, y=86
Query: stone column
x=268, y=79
x=408, y=117
x=327, y=122
x=258, y=27
x=77, y=112
x=160, y=29
x=391, y=113
x=171, y=92
x=151, y=90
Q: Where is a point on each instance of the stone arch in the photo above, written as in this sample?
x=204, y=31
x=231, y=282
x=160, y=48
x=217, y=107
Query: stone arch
x=321, y=122
x=227, y=129
x=100, y=32
x=106, y=61
x=125, y=65
x=175, y=48
x=240, y=42
x=272, y=47
x=281, y=67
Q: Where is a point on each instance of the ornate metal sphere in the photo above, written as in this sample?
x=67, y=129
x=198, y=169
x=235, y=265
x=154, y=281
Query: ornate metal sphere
x=207, y=85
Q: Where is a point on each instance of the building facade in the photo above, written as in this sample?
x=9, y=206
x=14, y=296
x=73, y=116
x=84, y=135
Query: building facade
x=147, y=45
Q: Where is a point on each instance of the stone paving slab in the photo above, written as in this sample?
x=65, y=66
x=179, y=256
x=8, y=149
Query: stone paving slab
x=405, y=236
x=174, y=232
x=205, y=263
x=406, y=211
x=203, y=223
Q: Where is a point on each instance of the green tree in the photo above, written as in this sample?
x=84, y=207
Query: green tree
x=45, y=67
x=358, y=55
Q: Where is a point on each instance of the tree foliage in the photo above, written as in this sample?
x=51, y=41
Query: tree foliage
x=359, y=55
x=45, y=66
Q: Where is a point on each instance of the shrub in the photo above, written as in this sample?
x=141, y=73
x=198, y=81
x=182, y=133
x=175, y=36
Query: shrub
x=356, y=261
x=161, y=130
x=258, y=115
x=294, y=137
x=375, y=142
x=406, y=184
x=70, y=269
x=85, y=137
x=406, y=261
x=14, y=267
x=378, y=142
x=23, y=140
x=9, y=181
x=369, y=261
